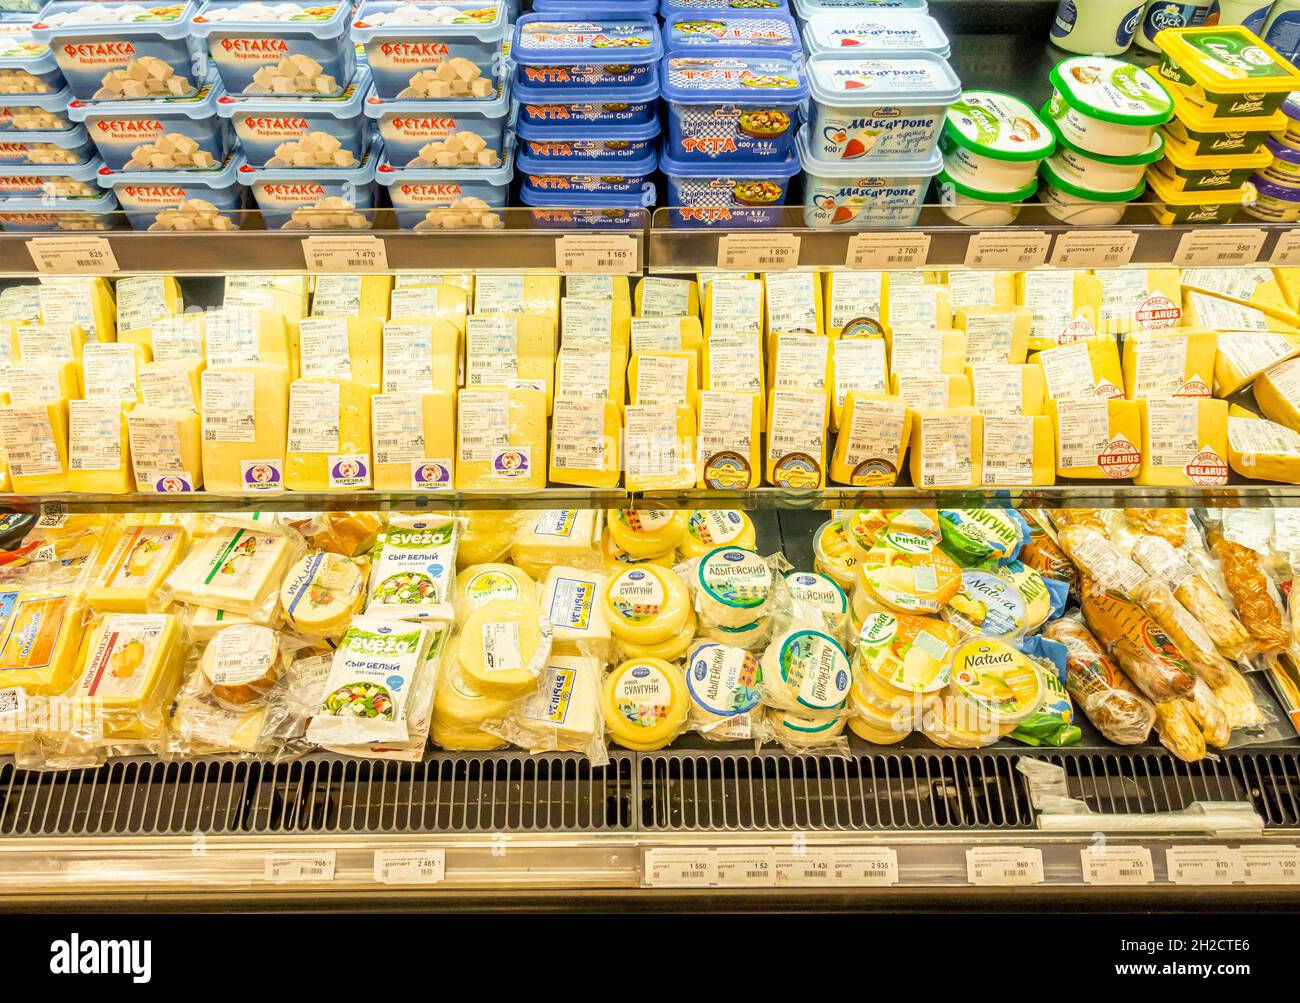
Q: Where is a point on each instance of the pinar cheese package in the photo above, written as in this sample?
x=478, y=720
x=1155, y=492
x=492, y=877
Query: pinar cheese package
x=906, y=654
x=908, y=573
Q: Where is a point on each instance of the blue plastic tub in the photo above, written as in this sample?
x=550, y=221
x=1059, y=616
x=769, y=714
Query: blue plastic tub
x=407, y=127
x=69, y=146
x=729, y=33
x=35, y=112
x=401, y=55
x=26, y=65
x=618, y=8
x=553, y=51
x=598, y=177
x=310, y=51
x=121, y=128
x=70, y=181
x=589, y=105
x=875, y=33
x=272, y=130
x=147, y=195
x=433, y=199
x=280, y=192
x=58, y=215
x=567, y=211
x=104, y=57
x=852, y=195
x=750, y=193
x=579, y=144
x=669, y=8
x=733, y=108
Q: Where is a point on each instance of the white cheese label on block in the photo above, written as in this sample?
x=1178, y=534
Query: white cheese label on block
x=1049, y=295
x=1068, y=372
x=1161, y=366
x=916, y=351
x=167, y=386
x=735, y=363
x=584, y=371
x=735, y=307
x=946, y=450
x=661, y=379
x=314, y=417
x=650, y=445
x=29, y=442
x=656, y=334
x=232, y=336
x=998, y=389
x=875, y=431
x=323, y=348
x=578, y=431
x=493, y=352
x=989, y=338
x=798, y=424
x=109, y=369
x=922, y=389
x=1171, y=432
x=801, y=362
x=972, y=288
x=1224, y=315
x=141, y=300
x=1253, y=351
x=408, y=358
x=791, y=302
x=179, y=339
x=499, y=294
x=586, y=322
x=726, y=424
x=228, y=407
x=336, y=296
x=398, y=421
x=856, y=294
x=860, y=366
x=1008, y=450
x=46, y=343
x=94, y=435
x=484, y=427
x=665, y=297
x=413, y=301
x=589, y=287
x=1082, y=431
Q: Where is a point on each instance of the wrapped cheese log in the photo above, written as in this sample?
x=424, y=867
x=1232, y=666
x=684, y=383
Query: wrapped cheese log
x=1098, y=558
x=1133, y=639
x=1238, y=702
x=1044, y=555
x=1158, y=559
x=1091, y=517
x=1178, y=730
x=1188, y=635
x=1210, y=716
x=1169, y=524
x=1107, y=697
x=1259, y=607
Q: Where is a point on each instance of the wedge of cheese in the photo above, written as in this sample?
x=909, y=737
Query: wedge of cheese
x=99, y=454
x=1140, y=299
x=557, y=536
x=930, y=390
x=978, y=288
x=351, y=296
x=995, y=333
x=170, y=384
x=166, y=448
x=857, y=366
x=998, y=388
x=1243, y=355
x=657, y=296
x=436, y=299
x=52, y=346
x=1175, y=363
x=414, y=441
x=598, y=287
x=793, y=301
x=1184, y=442
x=341, y=348
x=111, y=371
x=1257, y=287
x=658, y=447
x=1204, y=310
x=43, y=381
x=855, y=303
x=535, y=295
x=1096, y=438
x=1263, y=449
x=247, y=335
x=595, y=322
x=501, y=437
x=329, y=436
x=277, y=307
x=142, y=300
x=1277, y=392
x=510, y=350
x=799, y=362
x=730, y=448
x=86, y=302
x=947, y=449
x=796, y=439
x=420, y=355
x=667, y=334
x=597, y=371
x=733, y=306
x=916, y=307
x=245, y=413
x=1065, y=305
x=872, y=440
x=1082, y=369
x=1019, y=451
x=35, y=439
x=585, y=441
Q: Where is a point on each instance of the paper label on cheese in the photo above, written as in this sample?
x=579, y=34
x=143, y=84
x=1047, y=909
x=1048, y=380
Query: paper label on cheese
x=946, y=451
x=917, y=308
x=572, y=603
x=20, y=303
x=875, y=431
x=735, y=363
x=989, y=337
x=578, y=432
x=493, y=352
x=29, y=442
x=323, y=347
x=109, y=369
x=1068, y=372
x=1251, y=435
x=973, y=288
x=261, y=476
x=178, y=339
x=126, y=644
x=408, y=358
x=801, y=362
x=45, y=343
x=1008, y=450
x=165, y=386
x=916, y=351
x=501, y=648
x=1171, y=432
x=1123, y=291
x=232, y=337
x=33, y=385
x=656, y=334
x=141, y=300
x=239, y=655
x=336, y=296
x=583, y=371
x=1049, y=295
x=499, y=294
x=665, y=297
x=1224, y=315
x=796, y=438
x=67, y=302
x=791, y=302
x=94, y=435
x=651, y=446
x=1252, y=352
x=998, y=388
x=735, y=307
x=484, y=426
x=856, y=295
x=1285, y=378
x=921, y=389
x=636, y=595
x=662, y=379
x=398, y=420
x=586, y=322
x=1235, y=283
x=155, y=446
x=726, y=430
x=314, y=417
x=415, y=301
x=860, y=366
x=1161, y=366
x=589, y=287
x=228, y=400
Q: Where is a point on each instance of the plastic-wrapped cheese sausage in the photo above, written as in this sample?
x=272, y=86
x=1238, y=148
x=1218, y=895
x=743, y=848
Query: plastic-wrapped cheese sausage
x=1043, y=554
x=1238, y=701
x=1210, y=716
x=1098, y=558
x=1158, y=559
x=1090, y=517
x=1107, y=697
x=1188, y=635
x=1168, y=524
x=1258, y=605
x=1133, y=639
x=1178, y=730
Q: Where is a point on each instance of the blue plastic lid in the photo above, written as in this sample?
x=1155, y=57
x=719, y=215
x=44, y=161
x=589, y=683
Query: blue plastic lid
x=204, y=104
x=345, y=105
x=911, y=168
x=728, y=32
x=358, y=174
x=787, y=168
x=619, y=8
x=329, y=27
x=392, y=174
x=58, y=101
x=1281, y=151
x=545, y=40
x=471, y=25
x=598, y=132
x=894, y=31
x=644, y=199
x=68, y=139
x=1272, y=189
x=808, y=9
x=762, y=80
x=174, y=24
x=221, y=177
x=919, y=78
x=640, y=167
x=1291, y=106
x=498, y=107
x=104, y=202
x=78, y=172
x=667, y=8
x=20, y=51
x=526, y=93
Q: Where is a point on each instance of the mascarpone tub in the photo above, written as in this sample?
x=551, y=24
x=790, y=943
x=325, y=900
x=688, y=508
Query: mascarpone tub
x=868, y=32
x=852, y=195
x=1105, y=106
x=974, y=207
x=994, y=142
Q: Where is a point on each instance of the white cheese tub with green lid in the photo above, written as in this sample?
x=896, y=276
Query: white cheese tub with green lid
x=993, y=141
x=971, y=206
x=1106, y=106
x=1079, y=206
x=1104, y=174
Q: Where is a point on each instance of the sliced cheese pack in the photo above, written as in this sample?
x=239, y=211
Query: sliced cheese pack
x=1140, y=299
x=557, y=536
x=1204, y=310
x=1019, y=450
x=571, y=602
x=947, y=448
x=510, y=350
x=857, y=365
x=730, y=447
x=501, y=436
x=1184, y=442
x=658, y=447
x=998, y=388
x=1243, y=355
x=1277, y=392
x=585, y=441
x=1175, y=363
x=41, y=630
x=796, y=439
x=130, y=667
x=166, y=449
x=658, y=296
x=793, y=301
x=1065, y=305
x=919, y=389
x=351, y=296
x=855, y=303
x=438, y=300
x=80, y=300
x=872, y=441
x=995, y=333
x=1096, y=439
x=414, y=570
x=137, y=560
x=1263, y=449
x=328, y=445
x=99, y=454
x=142, y=300
x=245, y=413
x=1082, y=369
x=35, y=440
x=341, y=348
x=535, y=295
x=321, y=593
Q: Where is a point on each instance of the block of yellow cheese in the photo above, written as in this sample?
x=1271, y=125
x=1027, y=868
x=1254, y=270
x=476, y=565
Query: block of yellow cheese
x=441, y=300
x=660, y=296
x=730, y=449
x=733, y=306
x=414, y=440
x=501, y=436
x=854, y=302
x=111, y=370
x=1263, y=449
x=510, y=350
x=794, y=303
x=931, y=390
x=1140, y=299
x=87, y=302
x=1019, y=451
x=136, y=560
x=40, y=631
x=1007, y=389
x=276, y=308
x=663, y=378
x=591, y=370
x=351, y=296
x=585, y=441
x=1243, y=355
x=245, y=413
x=658, y=447
x=872, y=441
x=857, y=365
x=1174, y=363
x=142, y=300
x=99, y=453
x=170, y=384
x=979, y=288
x=246, y=335
x=1184, y=442
x=166, y=448
x=918, y=307
x=503, y=647
x=43, y=381
x=796, y=439
x=595, y=321
x=535, y=295
x=947, y=448
x=35, y=439
x=1098, y=439
x=667, y=334
x=995, y=333
x=1258, y=287
x=1277, y=392
x=341, y=348
x=329, y=436
x=798, y=362
x=420, y=355
x=1064, y=303
x=556, y=536
x=1204, y=310
x=128, y=669
x=52, y=345
x=598, y=287
x=1082, y=369
x=915, y=350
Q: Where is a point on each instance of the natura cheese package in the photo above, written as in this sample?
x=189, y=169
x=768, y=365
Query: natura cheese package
x=557, y=536
x=1263, y=449
x=730, y=447
x=136, y=561
x=245, y=420
x=947, y=448
x=995, y=333
x=414, y=440
x=1065, y=305
x=1082, y=369
x=585, y=441
x=414, y=570
x=1019, y=450
x=1243, y=355
x=1097, y=438
x=166, y=448
x=796, y=439
x=1184, y=442
x=1174, y=363
x=99, y=454
x=658, y=447
x=501, y=436
x=328, y=447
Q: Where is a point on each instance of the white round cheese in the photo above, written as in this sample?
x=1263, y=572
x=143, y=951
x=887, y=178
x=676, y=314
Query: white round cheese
x=805, y=670
x=733, y=587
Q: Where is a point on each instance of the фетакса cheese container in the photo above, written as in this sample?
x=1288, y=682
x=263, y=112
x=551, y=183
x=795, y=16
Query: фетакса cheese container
x=878, y=108
x=110, y=51
x=1226, y=71
x=1107, y=107
x=994, y=142
x=42, y=215
x=315, y=198
x=26, y=65
x=855, y=195
x=65, y=146
x=178, y=200
x=562, y=50
x=447, y=198
x=431, y=51
x=868, y=31
x=50, y=180
x=35, y=112
x=415, y=132
x=162, y=135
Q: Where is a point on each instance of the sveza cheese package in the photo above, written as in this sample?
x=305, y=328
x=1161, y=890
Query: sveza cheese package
x=805, y=671
x=947, y=448
x=80, y=300
x=41, y=630
x=1277, y=392
x=420, y=354
x=341, y=348
x=557, y=536
x=733, y=587
x=571, y=602
x=99, y=455
x=245, y=422
x=166, y=448
x=137, y=561
x=796, y=439
x=645, y=703
x=1175, y=363
x=730, y=447
x=1184, y=442
x=586, y=441
x=997, y=388
x=658, y=447
x=647, y=532
x=1140, y=299
x=709, y=529
x=351, y=296
x=995, y=333
x=722, y=682
x=237, y=568
x=1019, y=451
x=657, y=296
x=1243, y=355
x=328, y=447
x=510, y=350
x=563, y=715
x=501, y=438
x=35, y=439
x=1096, y=439
x=413, y=571
x=413, y=440
x=504, y=645
x=1082, y=369
x=1263, y=449
x=1065, y=304
x=321, y=593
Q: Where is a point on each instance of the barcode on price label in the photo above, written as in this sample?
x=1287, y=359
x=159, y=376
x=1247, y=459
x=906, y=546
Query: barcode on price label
x=612, y=254
x=1117, y=865
x=410, y=867
x=687, y=868
x=1229, y=246
x=72, y=255
x=746, y=866
x=1271, y=865
x=880, y=251
x=345, y=254
x=1287, y=251
x=838, y=866
x=1204, y=865
x=1012, y=250
x=1094, y=249
x=286, y=868
x=1004, y=865
x=764, y=252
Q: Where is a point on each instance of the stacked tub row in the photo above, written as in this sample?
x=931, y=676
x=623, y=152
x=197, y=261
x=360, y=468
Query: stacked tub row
x=588, y=95
x=441, y=100
x=47, y=162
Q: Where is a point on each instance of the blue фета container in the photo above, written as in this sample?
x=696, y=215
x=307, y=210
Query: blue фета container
x=164, y=200
x=721, y=33
x=596, y=177
x=315, y=198
x=564, y=51
x=584, y=105
x=578, y=144
x=409, y=127
x=747, y=193
x=585, y=210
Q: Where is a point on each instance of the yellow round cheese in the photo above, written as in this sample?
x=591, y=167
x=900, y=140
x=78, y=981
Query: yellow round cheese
x=646, y=532
x=321, y=594
x=485, y=545
x=806, y=670
x=882, y=712
x=463, y=739
x=994, y=682
x=752, y=637
x=615, y=559
x=949, y=723
x=907, y=572
x=670, y=650
x=832, y=556
x=481, y=583
x=457, y=705
x=241, y=664
x=876, y=736
x=901, y=654
x=646, y=604
x=504, y=645
x=644, y=702
x=708, y=529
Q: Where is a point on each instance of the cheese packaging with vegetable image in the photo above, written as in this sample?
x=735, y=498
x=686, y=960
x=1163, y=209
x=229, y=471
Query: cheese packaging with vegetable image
x=413, y=441
x=1065, y=304
x=329, y=436
x=504, y=646
x=138, y=561
x=645, y=703
x=321, y=594
x=556, y=536
x=166, y=448
x=1096, y=439
x=411, y=577
x=796, y=439
x=993, y=682
x=647, y=532
x=502, y=440
x=806, y=671
x=1176, y=363
x=571, y=600
x=733, y=587
x=41, y=630
x=245, y=413
x=236, y=568
x=645, y=604
x=947, y=448
x=1243, y=355
x=730, y=447
x=708, y=529
x=99, y=454
x=1184, y=442
x=722, y=683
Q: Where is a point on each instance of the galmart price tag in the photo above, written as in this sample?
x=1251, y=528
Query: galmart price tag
x=746, y=867
x=1117, y=865
x=72, y=255
x=1004, y=865
x=884, y=251
x=1094, y=249
x=1219, y=248
x=1287, y=251
x=345, y=254
x=758, y=252
x=600, y=254
x=1204, y=865
x=1014, y=250
x=839, y=866
x=410, y=867
x=290, y=868
x=1271, y=865
x=686, y=868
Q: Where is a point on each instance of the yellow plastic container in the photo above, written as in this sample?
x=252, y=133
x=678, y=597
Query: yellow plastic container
x=1225, y=69
x=1172, y=206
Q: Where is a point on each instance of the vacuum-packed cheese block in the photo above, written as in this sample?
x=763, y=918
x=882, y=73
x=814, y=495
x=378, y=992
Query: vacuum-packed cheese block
x=341, y=348
x=501, y=437
x=872, y=441
x=237, y=568
x=664, y=378
x=81, y=300
x=245, y=413
x=857, y=365
x=438, y=300
x=141, y=300
x=328, y=445
x=1257, y=287
x=947, y=448
x=734, y=362
x=921, y=389
x=979, y=288
x=794, y=303
x=658, y=296
x=42, y=382
x=1175, y=363
x=1097, y=439
x=1203, y=310
x=535, y=295
x=414, y=440
x=916, y=307
x=419, y=355
x=1277, y=392
x=571, y=601
x=1082, y=369
x=137, y=560
x=998, y=388
x=598, y=287
x=591, y=370
x=730, y=448
x=585, y=441
x=246, y=335
x=503, y=647
x=40, y=630
x=855, y=303
x=915, y=350
x=1243, y=355
x=52, y=345
x=796, y=439
x=1263, y=449
x=1065, y=305
x=276, y=308
x=99, y=453
x=995, y=333
x=667, y=334
x=1019, y=451
x=351, y=296
x=1139, y=299
x=111, y=370
x=166, y=448
x=510, y=350
x=171, y=385
x=733, y=306
x=658, y=447
x=799, y=362
x=130, y=666
x=35, y=439
x=556, y=536
x=595, y=322
x=1184, y=441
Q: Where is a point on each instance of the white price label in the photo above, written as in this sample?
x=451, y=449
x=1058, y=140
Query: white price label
x=746, y=866
x=1226, y=246
x=1271, y=865
x=1287, y=251
x=1004, y=865
x=840, y=866
x=886, y=251
x=410, y=867
x=285, y=868
x=601, y=254
x=345, y=254
x=693, y=868
x=758, y=252
x=1094, y=249
x=72, y=255
x=1117, y=865
x=1204, y=865
x=1012, y=250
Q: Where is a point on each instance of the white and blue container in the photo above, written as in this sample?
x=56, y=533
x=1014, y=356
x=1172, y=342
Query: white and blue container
x=120, y=128
x=579, y=145
x=425, y=198
x=127, y=51
x=588, y=105
x=566, y=51
x=598, y=177
x=748, y=193
x=143, y=195
x=806, y=10
x=72, y=181
x=35, y=112
x=41, y=215
x=568, y=211
x=883, y=108
x=669, y=8
x=26, y=65
x=578, y=8
x=291, y=198
x=243, y=39
x=1276, y=203
x=875, y=33
x=851, y=195
x=408, y=127
x=721, y=33
x=733, y=107
x=264, y=125
x=400, y=50
x=66, y=146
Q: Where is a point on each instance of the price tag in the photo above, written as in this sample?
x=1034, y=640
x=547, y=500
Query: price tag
x=1217, y=248
x=287, y=868
x=1287, y=251
x=72, y=255
x=758, y=252
x=1204, y=865
x=741, y=867
x=689, y=868
x=1004, y=865
x=1094, y=249
x=1011, y=249
x=884, y=251
x=361, y=253
x=1271, y=865
x=410, y=867
x=1117, y=865
x=599, y=254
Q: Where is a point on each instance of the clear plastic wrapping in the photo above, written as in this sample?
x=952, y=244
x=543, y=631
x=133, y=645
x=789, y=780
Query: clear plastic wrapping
x=1178, y=731
x=561, y=715
x=1189, y=637
x=1259, y=606
x=1106, y=696
x=722, y=683
x=1167, y=524
x=1158, y=558
x=1133, y=639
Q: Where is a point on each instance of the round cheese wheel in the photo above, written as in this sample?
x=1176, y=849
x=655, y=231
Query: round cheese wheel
x=644, y=702
x=902, y=654
x=646, y=532
x=806, y=670
x=722, y=682
x=321, y=594
x=832, y=556
x=752, y=637
x=646, y=604
x=615, y=558
x=802, y=731
x=504, y=645
x=884, y=711
x=463, y=740
x=876, y=736
x=708, y=529
x=993, y=682
x=950, y=724
x=670, y=650
x=481, y=583
x=457, y=705
x=819, y=592
x=734, y=587
x=241, y=664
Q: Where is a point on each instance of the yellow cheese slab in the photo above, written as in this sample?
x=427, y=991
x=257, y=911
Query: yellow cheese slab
x=243, y=445
x=1184, y=442
x=995, y=333
x=593, y=370
x=135, y=561
x=505, y=350
x=535, y=295
x=1065, y=305
x=99, y=451
x=277, y=308
x=502, y=440
x=1095, y=438
x=1007, y=389
x=947, y=448
x=556, y=536
x=113, y=370
x=436, y=299
x=916, y=307
x=585, y=442
x=1082, y=369
x=658, y=447
x=419, y=355
x=661, y=296
x=730, y=451
x=977, y=288
x=854, y=303
x=616, y=288
x=1253, y=286
x=1178, y=362
x=799, y=362
x=143, y=299
x=245, y=334
x=328, y=445
x=48, y=345
x=342, y=348
x=796, y=438
x=170, y=384
x=414, y=444
x=1204, y=310
x=1243, y=355
x=1277, y=392
x=857, y=365
x=595, y=321
x=733, y=306
x=1263, y=449
x=793, y=301
x=872, y=441
x=35, y=440
x=80, y=300
x=663, y=377
x=128, y=668
x=41, y=382
x=1019, y=451
x=1140, y=299
x=40, y=631
x=916, y=350
x=931, y=390
x=351, y=296
x=667, y=334
x=166, y=448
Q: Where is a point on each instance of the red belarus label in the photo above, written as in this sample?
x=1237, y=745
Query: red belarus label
x=1193, y=388
x=1119, y=459
x=1207, y=469
x=1159, y=311
x=1078, y=329
x=1107, y=390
